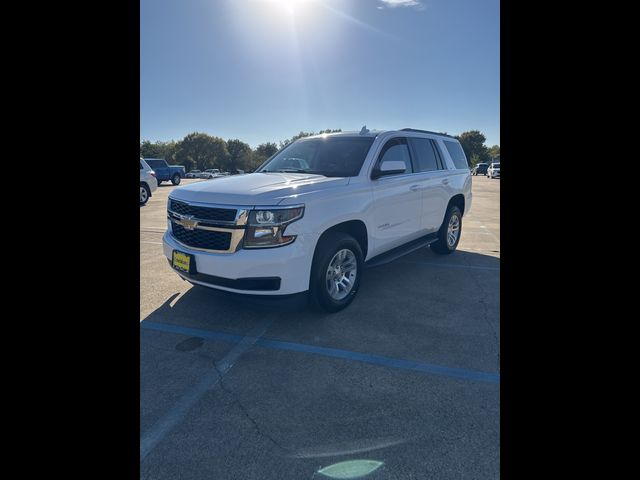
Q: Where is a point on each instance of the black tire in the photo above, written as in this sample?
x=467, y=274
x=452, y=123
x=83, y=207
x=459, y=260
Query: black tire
x=442, y=246
x=144, y=188
x=175, y=179
x=329, y=245
x=159, y=182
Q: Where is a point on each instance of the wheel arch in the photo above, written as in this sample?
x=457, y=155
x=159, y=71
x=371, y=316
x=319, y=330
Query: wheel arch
x=146, y=185
x=459, y=201
x=356, y=228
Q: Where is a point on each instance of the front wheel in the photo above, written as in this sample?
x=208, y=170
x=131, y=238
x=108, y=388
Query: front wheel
x=449, y=233
x=335, y=272
x=175, y=179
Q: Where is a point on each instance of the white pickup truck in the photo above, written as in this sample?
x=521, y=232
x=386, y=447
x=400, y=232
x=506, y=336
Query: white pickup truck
x=318, y=211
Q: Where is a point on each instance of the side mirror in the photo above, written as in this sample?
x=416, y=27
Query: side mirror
x=390, y=167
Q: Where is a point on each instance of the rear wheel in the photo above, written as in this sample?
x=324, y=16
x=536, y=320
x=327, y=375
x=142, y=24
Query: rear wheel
x=449, y=233
x=145, y=193
x=175, y=179
x=335, y=272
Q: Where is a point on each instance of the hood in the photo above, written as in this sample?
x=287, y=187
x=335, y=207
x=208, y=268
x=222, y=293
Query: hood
x=255, y=188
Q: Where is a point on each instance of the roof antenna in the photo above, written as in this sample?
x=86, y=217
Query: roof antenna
x=364, y=130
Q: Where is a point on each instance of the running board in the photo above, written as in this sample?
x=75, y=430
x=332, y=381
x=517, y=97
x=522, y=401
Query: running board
x=401, y=251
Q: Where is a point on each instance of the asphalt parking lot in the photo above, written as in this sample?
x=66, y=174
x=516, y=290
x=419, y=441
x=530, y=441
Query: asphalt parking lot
x=406, y=378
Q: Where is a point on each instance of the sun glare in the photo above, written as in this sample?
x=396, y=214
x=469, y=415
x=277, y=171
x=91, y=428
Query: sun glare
x=289, y=4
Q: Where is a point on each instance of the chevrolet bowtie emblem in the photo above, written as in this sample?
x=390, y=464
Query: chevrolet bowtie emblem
x=188, y=222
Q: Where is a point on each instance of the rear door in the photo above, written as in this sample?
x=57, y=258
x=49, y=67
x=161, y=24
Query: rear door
x=397, y=204
x=432, y=177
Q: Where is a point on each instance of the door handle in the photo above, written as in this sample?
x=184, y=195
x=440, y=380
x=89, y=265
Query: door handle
x=415, y=188
x=445, y=181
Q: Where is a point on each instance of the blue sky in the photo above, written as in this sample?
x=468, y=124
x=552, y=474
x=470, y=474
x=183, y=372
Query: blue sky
x=263, y=70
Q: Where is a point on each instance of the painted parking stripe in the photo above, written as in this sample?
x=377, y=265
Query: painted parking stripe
x=460, y=373
x=152, y=243
x=192, y=332
x=166, y=424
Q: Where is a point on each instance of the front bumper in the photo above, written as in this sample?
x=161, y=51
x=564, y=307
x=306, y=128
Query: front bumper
x=251, y=271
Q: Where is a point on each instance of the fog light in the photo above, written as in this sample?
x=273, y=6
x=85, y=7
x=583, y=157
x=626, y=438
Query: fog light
x=263, y=232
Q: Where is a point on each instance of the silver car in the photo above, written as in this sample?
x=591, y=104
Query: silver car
x=210, y=173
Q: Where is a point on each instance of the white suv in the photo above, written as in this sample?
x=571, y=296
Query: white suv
x=314, y=214
x=148, y=182
x=494, y=171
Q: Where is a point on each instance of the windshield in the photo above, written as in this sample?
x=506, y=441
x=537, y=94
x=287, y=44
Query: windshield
x=329, y=156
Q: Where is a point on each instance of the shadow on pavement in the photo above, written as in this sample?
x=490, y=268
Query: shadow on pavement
x=414, y=285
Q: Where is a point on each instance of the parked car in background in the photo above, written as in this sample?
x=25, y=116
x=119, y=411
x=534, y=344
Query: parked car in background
x=166, y=172
x=210, y=173
x=363, y=199
x=480, y=169
x=193, y=174
x=148, y=182
x=494, y=171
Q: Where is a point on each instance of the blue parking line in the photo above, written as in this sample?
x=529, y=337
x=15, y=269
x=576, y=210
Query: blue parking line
x=460, y=373
x=192, y=332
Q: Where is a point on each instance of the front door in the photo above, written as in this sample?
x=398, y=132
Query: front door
x=397, y=205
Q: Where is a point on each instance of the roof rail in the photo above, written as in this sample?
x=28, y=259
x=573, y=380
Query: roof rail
x=425, y=131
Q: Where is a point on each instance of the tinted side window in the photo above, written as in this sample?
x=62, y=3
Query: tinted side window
x=424, y=149
x=141, y=166
x=396, y=150
x=436, y=147
x=457, y=154
x=155, y=163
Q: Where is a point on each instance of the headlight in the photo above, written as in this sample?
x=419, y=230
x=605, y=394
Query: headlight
x=266, y=227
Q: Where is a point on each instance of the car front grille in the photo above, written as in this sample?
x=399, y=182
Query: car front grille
x=203, y=213
x=198, y=238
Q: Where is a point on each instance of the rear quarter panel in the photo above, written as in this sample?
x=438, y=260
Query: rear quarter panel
x=459, y=178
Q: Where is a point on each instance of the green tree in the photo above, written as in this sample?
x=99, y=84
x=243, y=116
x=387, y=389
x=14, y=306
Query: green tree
x=254, y=160
x=239, y=155
x=260, y=154
x=266, y=149
x=201, y=151
x=494, y=152
x=474, y=148
x=189, y=164
x=158, y=149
